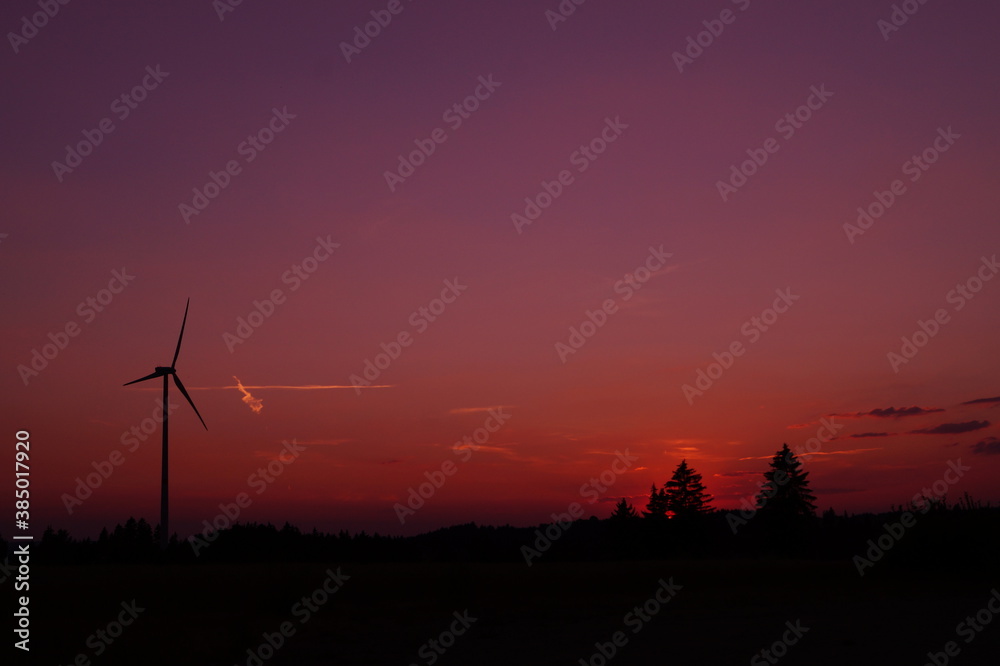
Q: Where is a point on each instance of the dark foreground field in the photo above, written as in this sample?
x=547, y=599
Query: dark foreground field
x=551, y=613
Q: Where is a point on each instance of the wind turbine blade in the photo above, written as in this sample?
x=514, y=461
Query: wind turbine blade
x=177, y=380
x=181, y=336
x=136, y=381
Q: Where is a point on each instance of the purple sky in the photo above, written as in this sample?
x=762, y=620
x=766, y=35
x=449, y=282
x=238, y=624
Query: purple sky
x=850, y=296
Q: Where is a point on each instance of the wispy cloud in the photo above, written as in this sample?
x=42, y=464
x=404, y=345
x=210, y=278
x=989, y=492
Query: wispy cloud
x=952, y=428
x=987, y=447
x=323, y=442
x=891, y=412
x=983, y=401
x=846, y=452
x=862, y=435
x=476, y=410
x=256, y=404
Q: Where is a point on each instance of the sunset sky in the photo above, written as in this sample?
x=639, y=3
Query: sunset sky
x=620, y=142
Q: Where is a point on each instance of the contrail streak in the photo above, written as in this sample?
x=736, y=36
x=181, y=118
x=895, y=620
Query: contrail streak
x=305, y=387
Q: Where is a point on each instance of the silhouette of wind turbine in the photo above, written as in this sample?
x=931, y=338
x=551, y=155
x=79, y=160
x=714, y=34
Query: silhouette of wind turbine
x=166, y=372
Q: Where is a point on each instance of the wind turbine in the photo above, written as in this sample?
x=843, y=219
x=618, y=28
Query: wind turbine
x=166, y=372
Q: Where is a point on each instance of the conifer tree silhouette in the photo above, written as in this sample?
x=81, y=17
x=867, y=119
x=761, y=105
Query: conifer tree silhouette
x=656, y=508
x=786, y=487
x=684, y=493
x=624, y=511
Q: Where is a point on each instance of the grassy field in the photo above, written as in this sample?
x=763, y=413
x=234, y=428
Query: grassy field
x=726, y=612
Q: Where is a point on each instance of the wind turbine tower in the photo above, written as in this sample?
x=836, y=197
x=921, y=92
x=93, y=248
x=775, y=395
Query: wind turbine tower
x=166, y=372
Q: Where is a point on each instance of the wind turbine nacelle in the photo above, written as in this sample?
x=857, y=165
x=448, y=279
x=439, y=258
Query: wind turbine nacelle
x=166, y=371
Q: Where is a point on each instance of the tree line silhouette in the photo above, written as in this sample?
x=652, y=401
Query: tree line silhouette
x=678, y=521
